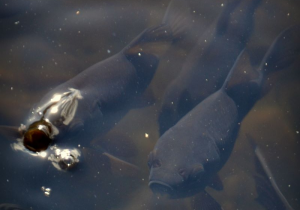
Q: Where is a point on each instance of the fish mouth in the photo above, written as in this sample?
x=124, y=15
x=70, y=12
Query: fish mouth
x=159, y=187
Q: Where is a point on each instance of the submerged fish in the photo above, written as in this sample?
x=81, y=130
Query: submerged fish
x=269, y=195
x=97, y=98
x=187, y=157
x=209, y=62
x=9, y=206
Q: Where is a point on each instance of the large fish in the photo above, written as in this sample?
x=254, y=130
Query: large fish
x=96, y=99
x=9, y=206
x=209, y=62
x=187, y=157
x=269, y=194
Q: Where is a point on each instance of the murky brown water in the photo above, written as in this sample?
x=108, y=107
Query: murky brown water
x=47, y=43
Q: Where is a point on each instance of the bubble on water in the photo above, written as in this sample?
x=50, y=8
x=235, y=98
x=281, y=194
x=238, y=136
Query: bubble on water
x=46, y=190
x=64, y=159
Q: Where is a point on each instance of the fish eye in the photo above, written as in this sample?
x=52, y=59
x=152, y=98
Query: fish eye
x=183, y=173
x=197, y=171
x=150, y=158
x=156, y=163
x=36, y=140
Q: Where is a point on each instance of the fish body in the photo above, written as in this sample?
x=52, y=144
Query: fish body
x=83, y=104
x=96, y=99
x=200, y=141
x=209, y=62
x=187, y=157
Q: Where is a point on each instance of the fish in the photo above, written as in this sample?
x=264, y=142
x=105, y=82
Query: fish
x=209, y=62
x=92, y=102
x=269, y=194
x=187, y=157
x=9, y=206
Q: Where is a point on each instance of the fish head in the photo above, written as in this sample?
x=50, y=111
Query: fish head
x=52, y=116
x=174, y=175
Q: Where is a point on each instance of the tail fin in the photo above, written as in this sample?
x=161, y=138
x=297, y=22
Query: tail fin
x=175, y=25
x=282, y=53
x=269, y=195
x=145, y=51
x=178, y=19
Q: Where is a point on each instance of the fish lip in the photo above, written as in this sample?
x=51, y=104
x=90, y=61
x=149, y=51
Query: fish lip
x=161, y=188
x=161, y=183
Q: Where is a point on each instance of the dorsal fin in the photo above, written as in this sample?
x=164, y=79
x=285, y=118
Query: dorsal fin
x=10, y=132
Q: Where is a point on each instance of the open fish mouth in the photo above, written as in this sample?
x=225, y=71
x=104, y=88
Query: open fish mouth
x=159, y=187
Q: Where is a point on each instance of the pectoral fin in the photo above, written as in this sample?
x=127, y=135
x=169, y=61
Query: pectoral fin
x=216, y=183
x=269, y=194
x=120, y=167
x=100, y=161
x=10, y=132
x=203, y=201
x=117, y=144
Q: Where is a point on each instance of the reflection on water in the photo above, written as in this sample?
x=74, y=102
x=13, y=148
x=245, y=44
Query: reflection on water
x=43, y=44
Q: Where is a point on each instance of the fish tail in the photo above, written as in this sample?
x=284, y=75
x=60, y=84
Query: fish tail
x=236, y=23
x=145, y=51
x=178, y=19
x=280, y=55
x=175, y=25
x=283, y=51
x=269, y=195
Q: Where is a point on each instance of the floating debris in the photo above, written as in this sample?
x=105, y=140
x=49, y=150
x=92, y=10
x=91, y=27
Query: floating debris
x=46, y=190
